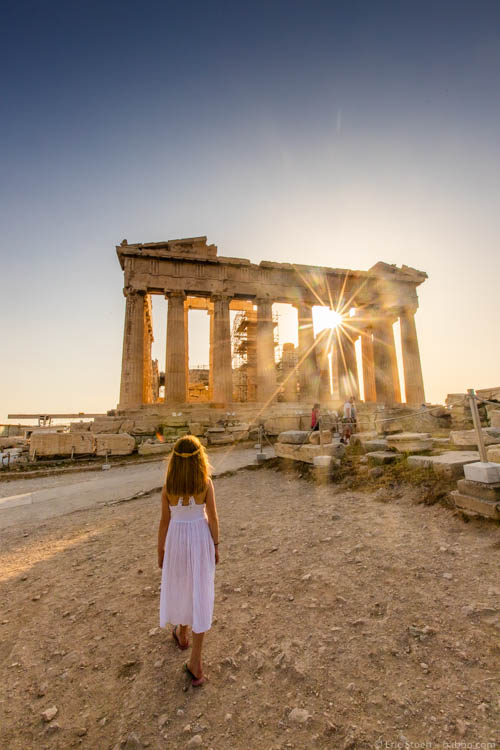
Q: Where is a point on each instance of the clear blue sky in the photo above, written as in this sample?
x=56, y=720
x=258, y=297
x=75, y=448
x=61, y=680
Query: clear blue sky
x=331, y=133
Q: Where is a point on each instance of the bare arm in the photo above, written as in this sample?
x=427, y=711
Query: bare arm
x=163, y=528
x=213, y=519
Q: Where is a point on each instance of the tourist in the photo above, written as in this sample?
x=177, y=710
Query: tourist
x=315, y=414
x=188, y=550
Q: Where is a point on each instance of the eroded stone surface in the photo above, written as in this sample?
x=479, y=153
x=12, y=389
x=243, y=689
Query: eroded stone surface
x=307, y=452
x=448, y=464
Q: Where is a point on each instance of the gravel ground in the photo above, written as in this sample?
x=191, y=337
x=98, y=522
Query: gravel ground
x=343, y=619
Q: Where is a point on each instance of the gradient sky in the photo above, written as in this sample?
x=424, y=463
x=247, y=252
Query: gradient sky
x=336, y=134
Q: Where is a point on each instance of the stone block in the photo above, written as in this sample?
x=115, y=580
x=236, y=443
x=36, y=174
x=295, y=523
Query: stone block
x=382, y=457
x=449, y=464
x=127, y=425
x=152, y=449
x=80, y=426
x=197, y=428
x=172, y=433
x=172, y=421
x=12, y=442
x=495, y=418
x=360, y=438
x=374, y=445
x=493, y=454
x=491, y=436
x=61, y=444
x=476, y=505
x=483, y=471
x=322, y=462
x=105, y=424
x=220, y=438
x=146, y=425
x=114, y=445
x=275, y=425
x=239, y=435
x=409, y=442
x=314, y=437
x=294, y=437
x=307, y=452
x=239, y=427
x=479, y=489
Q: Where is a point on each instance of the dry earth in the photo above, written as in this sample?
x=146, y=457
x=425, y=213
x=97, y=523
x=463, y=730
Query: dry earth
x=340, y=622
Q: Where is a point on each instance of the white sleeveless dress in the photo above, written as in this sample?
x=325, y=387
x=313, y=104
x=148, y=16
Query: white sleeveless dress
x=188, y=573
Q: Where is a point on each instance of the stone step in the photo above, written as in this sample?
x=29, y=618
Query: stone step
x=475, y=505
x=490, y=492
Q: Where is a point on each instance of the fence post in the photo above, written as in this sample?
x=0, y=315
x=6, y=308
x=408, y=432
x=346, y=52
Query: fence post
x=477, y=425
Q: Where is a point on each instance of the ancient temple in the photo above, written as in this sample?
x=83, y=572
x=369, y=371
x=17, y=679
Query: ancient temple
x=191, y=275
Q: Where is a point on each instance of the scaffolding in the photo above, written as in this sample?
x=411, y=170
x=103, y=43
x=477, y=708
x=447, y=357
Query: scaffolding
x=244, y=354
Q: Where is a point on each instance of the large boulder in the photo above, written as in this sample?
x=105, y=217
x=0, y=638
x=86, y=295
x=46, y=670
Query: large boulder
x=61, y=444
x=114, y=445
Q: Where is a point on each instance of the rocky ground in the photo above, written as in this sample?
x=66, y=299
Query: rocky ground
x=344, y=618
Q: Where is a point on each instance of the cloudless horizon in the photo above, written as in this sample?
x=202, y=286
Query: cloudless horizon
x=321, y=133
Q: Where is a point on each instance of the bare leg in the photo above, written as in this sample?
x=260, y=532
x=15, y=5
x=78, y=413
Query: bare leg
x=194, y=663
x=183, y=634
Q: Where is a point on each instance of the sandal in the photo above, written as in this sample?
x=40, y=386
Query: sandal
x=195, y=681
x=176, y=639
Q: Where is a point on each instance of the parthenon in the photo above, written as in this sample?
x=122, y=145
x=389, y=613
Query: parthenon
x=190, y=274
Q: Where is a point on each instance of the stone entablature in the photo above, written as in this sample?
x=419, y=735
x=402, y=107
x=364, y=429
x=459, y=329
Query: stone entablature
x=189, y=273
x=193, y=267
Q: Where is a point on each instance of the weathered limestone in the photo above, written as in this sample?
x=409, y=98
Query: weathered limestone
x=491, y=436
x=414, y=381
x=409, y=442
x=293, y=437
x=307, y=379
x=132, y=381
x=307, y=452
x=191, y=274
x=493, y=454
x=384, y=353
x=266, y=366
x=275, y=425
x=153, y=449
x=222, y=379
x=316, y=438
x=176, y=371
x=114, y=445
x=450, y=464
x=105, y=424
x=368, y=365
x=477, y=498
x=61, y=444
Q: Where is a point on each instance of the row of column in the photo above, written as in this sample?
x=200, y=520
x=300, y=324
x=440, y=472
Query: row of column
x=380, y=370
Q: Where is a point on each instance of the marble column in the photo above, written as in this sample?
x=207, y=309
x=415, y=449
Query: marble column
x=289, y=372
x=307, y=360
x=211, y=352
x=368, y=366
x=266, y=367
x=176, y=375
x=222, y=366
x=132, y=379
x=352, y=366
x=412, y=368
x=323, y=350
x=384, y=356
x=147, y=383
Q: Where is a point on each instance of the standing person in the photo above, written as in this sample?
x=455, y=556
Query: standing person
x=315, y=415
x=353, y=415
x=347, y=422
x=188, y=550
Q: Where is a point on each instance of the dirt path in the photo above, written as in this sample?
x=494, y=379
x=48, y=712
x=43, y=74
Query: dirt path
x=340, y=622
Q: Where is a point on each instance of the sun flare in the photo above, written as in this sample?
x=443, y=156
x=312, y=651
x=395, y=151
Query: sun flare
x=325, y=317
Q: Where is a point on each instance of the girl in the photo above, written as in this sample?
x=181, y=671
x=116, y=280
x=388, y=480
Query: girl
x=188, y=549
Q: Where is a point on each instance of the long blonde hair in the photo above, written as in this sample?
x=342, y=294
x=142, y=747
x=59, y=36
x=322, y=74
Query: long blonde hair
x=188, y=469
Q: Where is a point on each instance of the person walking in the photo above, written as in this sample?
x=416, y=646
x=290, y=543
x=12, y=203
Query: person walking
x=315, y=415
x=188, y=550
